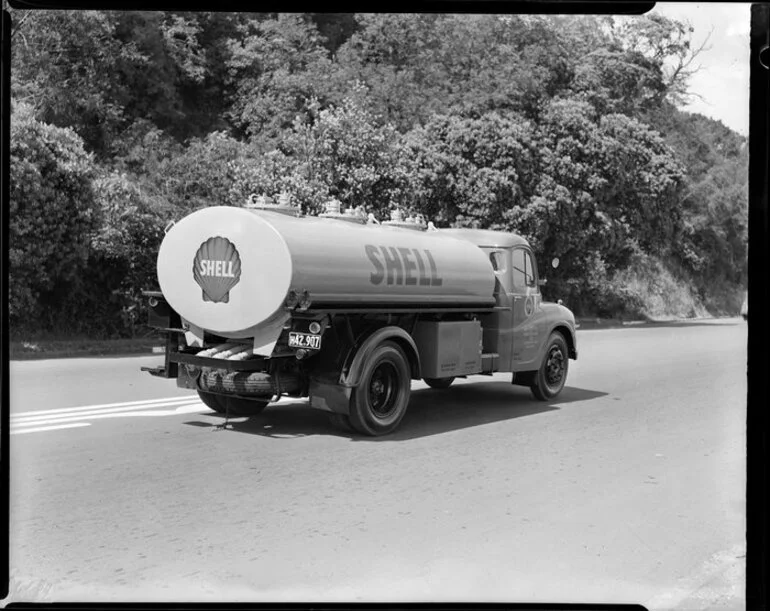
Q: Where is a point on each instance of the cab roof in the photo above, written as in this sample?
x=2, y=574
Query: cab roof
x=486, y=237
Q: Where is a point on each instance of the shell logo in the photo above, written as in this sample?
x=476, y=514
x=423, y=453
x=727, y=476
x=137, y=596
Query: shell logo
x=217, y=269
x=529, y=306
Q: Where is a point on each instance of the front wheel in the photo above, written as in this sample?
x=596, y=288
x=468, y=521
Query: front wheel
x=379, y=402
x=552, y=375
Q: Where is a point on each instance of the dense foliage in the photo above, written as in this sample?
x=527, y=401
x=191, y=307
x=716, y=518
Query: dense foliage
x=564, y=129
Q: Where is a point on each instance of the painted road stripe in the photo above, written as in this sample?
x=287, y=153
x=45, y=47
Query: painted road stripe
x=48, y=428
x=72, y=417
x=182, y=409
x=89, y=413
x=138, y=404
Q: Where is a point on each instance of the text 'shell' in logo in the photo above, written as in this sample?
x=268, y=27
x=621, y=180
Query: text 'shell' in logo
x=217, y=269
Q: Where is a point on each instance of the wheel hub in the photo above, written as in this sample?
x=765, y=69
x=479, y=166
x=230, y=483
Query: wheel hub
x=554, y=367
x=382, y=389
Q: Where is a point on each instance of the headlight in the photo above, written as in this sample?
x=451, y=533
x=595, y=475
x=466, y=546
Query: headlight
x=315, y=327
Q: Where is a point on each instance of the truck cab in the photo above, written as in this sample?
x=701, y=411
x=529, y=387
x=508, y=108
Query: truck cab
x=522, y=322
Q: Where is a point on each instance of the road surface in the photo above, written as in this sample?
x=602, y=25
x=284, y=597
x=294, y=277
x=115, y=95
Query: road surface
x=629, y=487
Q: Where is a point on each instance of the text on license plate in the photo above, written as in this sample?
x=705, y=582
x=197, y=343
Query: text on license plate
x=304, y=340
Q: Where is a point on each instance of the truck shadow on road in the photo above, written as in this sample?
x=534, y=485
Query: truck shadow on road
x=431, y=412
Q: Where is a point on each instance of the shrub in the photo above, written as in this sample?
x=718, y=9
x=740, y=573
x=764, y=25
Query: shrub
x=52, y=215
x=122, y=261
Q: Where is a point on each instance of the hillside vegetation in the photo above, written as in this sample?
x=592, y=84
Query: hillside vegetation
x=563, y=129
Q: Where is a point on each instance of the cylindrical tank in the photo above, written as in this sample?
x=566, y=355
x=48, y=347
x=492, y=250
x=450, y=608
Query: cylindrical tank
x=229, y=270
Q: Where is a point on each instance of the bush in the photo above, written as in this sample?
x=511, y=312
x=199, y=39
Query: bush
x=122, y=260
x=52, y=216
x=656, y=291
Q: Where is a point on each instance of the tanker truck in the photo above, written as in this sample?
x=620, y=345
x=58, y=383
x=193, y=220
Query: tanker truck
x=259, y=302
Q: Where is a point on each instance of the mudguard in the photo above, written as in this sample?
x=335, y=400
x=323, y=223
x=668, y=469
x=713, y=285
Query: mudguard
x=354, y=366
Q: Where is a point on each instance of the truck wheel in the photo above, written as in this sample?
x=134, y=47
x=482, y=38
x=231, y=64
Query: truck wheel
x=379, y=402
x=341, y=422
x=439, y=382
x=236, y=406
x=552, y=375
x=215, y=402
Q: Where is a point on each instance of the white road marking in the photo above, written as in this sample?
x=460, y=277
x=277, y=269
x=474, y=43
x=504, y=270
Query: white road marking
x=48, y=428
x=85, y=412
x=63, y=410
x=72, y=417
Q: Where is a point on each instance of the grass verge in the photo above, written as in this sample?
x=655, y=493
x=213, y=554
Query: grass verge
x=61, y=348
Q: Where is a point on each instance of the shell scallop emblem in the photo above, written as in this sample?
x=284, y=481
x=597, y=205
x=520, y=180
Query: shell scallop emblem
x=217, y=269
x=529, y=305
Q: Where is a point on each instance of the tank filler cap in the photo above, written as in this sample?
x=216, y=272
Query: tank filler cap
x=333, y=207
x=265, y=202
x=416, y=222
x=333, y=210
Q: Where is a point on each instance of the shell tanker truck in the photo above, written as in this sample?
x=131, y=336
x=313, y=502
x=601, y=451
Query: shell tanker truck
x=257, y=303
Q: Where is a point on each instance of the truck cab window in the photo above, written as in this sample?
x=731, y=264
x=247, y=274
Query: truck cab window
x=529, y=270
x=518, y=269
x=497, y=260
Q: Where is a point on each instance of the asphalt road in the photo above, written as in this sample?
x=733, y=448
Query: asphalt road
x=629, y=487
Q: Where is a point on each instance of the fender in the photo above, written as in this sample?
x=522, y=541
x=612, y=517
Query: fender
x=355, y=366
x=559, y=319
x=571, y=338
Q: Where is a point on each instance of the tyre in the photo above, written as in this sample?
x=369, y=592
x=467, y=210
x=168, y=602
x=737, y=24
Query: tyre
x=215, y=402
x=379, y=402
x=439, y=382
x=248, y=383
x=236, y=406
x=341, y=422
x=552, y=375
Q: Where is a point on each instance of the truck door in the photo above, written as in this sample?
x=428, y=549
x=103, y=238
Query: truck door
x=525, y=298
x=497, y=328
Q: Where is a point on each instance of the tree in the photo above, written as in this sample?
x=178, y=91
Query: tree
x=63, y=66
x=340, y=151
x=420, y=65
x=471, y=172
x=608, y=188
x=335, y=28
x=664, y=42
x=99, y=72
x=275, y=65
x=52, y=215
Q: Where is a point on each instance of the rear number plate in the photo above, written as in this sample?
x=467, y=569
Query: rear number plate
x=304, y=340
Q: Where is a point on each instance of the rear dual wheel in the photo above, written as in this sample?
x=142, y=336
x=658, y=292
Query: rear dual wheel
x=379, y=402
x=234, y=406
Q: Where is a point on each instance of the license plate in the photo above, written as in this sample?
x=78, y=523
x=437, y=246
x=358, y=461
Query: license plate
x=304, y=340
